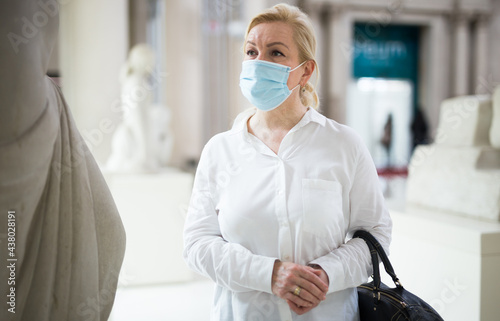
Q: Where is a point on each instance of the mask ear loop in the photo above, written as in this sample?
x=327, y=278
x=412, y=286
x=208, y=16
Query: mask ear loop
x=293, y=70
x=299, y=65
x=294, y=88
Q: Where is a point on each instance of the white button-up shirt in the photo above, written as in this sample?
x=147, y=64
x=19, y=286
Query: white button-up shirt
x=250, y=207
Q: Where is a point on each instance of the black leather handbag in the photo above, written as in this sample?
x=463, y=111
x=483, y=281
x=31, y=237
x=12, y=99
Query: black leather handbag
x=378, y=302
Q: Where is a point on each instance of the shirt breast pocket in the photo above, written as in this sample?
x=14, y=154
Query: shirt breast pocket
x=322, y=207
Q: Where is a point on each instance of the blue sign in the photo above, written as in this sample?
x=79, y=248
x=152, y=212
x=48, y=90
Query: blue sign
x=389, y=51
x=385, y=52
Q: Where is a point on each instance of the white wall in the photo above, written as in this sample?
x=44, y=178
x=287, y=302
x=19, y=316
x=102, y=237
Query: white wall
x=93, y=47
x=183, y=83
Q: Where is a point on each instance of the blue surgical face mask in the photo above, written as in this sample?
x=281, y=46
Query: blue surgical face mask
x=263, y=83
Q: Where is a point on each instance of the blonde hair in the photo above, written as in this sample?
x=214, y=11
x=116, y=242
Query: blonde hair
x=303, y=35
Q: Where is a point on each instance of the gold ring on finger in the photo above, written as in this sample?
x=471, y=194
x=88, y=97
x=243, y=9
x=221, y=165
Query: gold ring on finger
x=297, y=291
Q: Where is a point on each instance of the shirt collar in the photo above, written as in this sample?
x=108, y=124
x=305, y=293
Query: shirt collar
x=311, y=115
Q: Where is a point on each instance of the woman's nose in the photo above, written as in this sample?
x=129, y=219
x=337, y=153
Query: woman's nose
x=262, y=56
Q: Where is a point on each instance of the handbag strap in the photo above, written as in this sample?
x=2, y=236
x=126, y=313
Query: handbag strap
x=376, y=247
x=375, y=264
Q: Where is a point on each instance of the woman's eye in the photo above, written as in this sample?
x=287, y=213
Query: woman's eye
x=277, y=53
x=251, y=53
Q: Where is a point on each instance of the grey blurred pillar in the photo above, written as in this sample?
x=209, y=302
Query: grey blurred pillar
x=481, y=60
x=462, y=55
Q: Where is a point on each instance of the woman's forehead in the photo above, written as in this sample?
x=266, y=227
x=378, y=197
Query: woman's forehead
x=271, y=32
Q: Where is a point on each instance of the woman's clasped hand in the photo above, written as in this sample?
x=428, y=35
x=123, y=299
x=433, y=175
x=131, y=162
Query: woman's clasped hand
x=303, y=287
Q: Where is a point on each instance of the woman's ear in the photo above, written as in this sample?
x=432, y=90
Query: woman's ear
x=309, y=67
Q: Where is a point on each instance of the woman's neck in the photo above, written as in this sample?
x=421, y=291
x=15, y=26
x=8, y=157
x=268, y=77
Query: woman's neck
x=272, y=126
x=282, y=118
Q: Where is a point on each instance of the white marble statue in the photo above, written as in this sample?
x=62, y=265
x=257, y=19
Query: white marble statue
x=61, y=236
x=142, y=142
x=460, y=172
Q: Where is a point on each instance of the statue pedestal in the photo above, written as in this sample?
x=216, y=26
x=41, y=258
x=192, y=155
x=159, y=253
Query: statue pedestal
x=464, y=180
x=451, y=262
x=152, y=208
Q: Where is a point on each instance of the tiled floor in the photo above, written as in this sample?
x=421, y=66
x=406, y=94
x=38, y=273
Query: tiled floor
x=171, y=302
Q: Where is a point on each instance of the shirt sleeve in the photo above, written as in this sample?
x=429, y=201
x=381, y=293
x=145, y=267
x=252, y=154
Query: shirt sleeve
x=230, y=265
x=350, y=264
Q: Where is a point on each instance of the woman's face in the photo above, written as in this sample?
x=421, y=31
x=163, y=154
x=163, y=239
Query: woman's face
x=274, y=42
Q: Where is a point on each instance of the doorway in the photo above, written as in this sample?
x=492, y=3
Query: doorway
x=380, y=111
x=382, y=97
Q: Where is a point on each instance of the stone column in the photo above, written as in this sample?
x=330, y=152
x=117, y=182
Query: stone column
x=495, y=121
x=320, y=24
x=481, y=56
x=461, y=63
x=340, y=49
x=440, y=82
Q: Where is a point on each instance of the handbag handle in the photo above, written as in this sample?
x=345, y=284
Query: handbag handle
x=376, y=248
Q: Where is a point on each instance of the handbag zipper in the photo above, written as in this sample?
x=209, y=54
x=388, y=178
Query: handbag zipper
x=380, y=291
x=403, y=304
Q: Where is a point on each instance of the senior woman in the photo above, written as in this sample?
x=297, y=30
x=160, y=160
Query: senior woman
x=277, y=198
